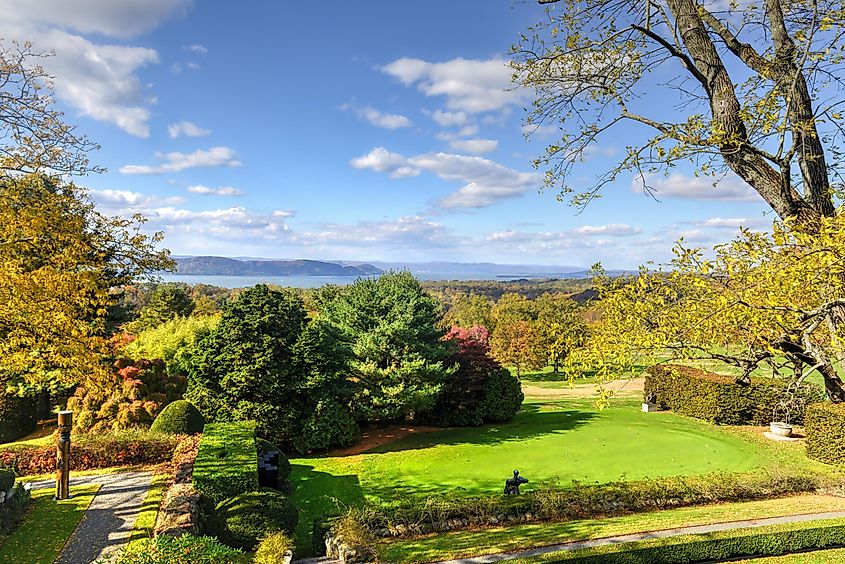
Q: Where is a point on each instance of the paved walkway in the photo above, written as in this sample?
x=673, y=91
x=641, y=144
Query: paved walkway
x=108, y=522
x=575, y=545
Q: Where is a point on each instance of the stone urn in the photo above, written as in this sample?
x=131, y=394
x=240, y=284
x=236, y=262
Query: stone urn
x=780, y=428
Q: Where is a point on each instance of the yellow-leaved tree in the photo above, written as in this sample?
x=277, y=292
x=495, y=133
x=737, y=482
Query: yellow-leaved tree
x=764, y=300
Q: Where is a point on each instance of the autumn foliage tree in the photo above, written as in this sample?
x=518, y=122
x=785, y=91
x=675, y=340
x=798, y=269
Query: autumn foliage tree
x=518, y=343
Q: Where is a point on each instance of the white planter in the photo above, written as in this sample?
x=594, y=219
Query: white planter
x=650, y=407
x=780, y=428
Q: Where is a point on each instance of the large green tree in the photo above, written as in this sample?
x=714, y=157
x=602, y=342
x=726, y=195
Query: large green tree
x=394, y=330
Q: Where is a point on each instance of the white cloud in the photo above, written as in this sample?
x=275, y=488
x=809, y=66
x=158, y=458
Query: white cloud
x=471, y=86
x=382, y=160
x=99, y=80
x=195, y=48
x=448, y=119
x=485, y=182
x=187, y=129
x=117, y=200
x=235, y=223
x=387, y=121
x=477, y=146
x=175, y=161
x=411, y=232
x=219, y=191
x=729, y=188
x=122, y=19
x=533, y=130
x=611, y=229
x=732, y=223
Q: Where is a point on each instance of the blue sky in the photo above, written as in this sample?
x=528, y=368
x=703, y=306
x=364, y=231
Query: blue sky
x=378, y=130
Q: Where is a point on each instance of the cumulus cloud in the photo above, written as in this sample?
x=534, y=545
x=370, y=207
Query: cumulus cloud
x=219, y=191
x=476, y=146
x=611, y=229
x=382, y=160
x=471, y=86
x=380, y=119
x=485, y=182
x=122, y=200
x=187, y=129
x=235, y=223
x=732, y=223
x=729, y=188
x=410, y=232
x=99, y=80
x=448, y=119
x=175, y=161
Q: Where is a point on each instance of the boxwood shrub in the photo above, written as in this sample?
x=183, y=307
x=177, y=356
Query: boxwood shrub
x=179, y=418
x=249, y=517
x=719, y=399
x=824, y=426
x=771, y=540
x=227, y=460
x=185, y=549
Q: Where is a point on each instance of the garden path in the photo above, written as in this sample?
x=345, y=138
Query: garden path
x=108, y=522
x=530, y=553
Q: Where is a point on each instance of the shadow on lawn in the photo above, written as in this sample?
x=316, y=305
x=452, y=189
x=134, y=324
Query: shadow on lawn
x=533, y=421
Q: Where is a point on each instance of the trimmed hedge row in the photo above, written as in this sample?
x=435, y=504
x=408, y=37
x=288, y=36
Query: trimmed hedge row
x=719, y=399
x=13, y=508
x=772, y=540
x=227, y=460
x=824, y=426
x=441, y=514
x=88, y=452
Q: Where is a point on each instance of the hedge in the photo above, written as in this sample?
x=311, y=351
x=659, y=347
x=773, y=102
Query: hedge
x=18, y=416
x=186, y=549
x=719, y=399
x=89, y=452
x=179, y=418
x=824, y=426
x=227, y=460
x=444, y=513
x=249, y=517
x=14, y=508
x=771, y=540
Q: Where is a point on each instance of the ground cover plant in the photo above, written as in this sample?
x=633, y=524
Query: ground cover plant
x=42, y=535
x=561, y=442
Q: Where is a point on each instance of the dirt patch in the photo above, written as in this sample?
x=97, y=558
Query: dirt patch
x=623, y=388
x=372, y=438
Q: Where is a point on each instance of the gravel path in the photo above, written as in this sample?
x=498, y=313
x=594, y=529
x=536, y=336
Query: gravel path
x=108, y=522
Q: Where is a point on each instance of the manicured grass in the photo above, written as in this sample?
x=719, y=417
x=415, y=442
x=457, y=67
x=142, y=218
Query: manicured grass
x=44, y=532
x=771, y=540
x=145, y=523
x=561, y=441
x=518, y=537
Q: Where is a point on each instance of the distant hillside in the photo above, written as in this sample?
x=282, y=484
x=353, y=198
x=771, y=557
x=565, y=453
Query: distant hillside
x=221, y=266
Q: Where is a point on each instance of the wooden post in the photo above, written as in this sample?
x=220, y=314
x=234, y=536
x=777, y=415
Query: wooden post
x=63, y=455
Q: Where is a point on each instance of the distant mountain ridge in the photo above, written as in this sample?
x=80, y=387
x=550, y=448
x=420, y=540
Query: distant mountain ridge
x=222, y=266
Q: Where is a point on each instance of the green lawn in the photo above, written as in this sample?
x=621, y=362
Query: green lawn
x=44, y=532
x=507, y=539
x=560, y=441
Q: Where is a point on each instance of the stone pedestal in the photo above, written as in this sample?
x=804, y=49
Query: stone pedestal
x=650, y=407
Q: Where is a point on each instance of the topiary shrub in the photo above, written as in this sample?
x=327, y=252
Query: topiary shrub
x=227, y=462
x=265, y=447
x=249, y=517
x=330, y=424
x=502, y=397
x=719, y=399
x=824, y=425
x=273, y=549
x=185, y=549
x=179, y=418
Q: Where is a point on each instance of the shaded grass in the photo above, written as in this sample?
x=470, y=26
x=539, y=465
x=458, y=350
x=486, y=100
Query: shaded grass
x=145, y=523
x=507, y=539
x=46, y=529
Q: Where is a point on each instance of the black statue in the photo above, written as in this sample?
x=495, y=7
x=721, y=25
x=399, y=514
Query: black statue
x=651, y=398
x=512, y=484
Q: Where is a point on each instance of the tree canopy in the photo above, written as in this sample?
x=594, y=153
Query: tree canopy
x=751, y=88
